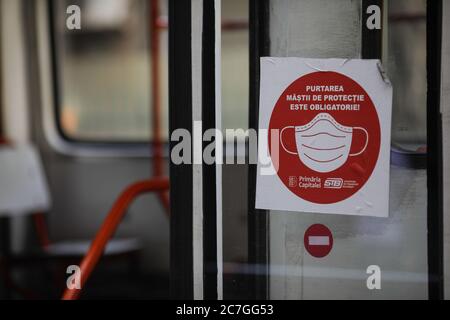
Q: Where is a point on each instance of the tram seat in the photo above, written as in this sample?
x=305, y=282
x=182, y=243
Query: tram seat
x=23, y=188
x=24, y=191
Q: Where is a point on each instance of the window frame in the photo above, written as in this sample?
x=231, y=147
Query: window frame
x=55, y=133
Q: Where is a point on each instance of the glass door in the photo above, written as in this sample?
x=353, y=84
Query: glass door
x=398, y=257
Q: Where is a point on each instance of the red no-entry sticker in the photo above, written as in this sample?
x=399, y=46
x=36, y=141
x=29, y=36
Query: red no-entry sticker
x=318, y=240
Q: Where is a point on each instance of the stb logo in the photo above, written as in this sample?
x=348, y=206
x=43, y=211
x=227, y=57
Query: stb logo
x=333, y=183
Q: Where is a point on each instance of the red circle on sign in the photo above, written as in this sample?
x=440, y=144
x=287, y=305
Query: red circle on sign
x=329, y=144
x=318, y=240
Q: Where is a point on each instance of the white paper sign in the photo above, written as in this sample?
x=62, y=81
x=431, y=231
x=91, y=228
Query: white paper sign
x=325, y=140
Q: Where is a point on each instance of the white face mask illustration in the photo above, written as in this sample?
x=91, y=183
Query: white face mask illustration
x=323, y=145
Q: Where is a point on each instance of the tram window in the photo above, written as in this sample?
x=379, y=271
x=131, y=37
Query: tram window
x=104, y=71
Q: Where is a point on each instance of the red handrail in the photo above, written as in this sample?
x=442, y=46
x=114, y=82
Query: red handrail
x=109, y=227
x=157, y=184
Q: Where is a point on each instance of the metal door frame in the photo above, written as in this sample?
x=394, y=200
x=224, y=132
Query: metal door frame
x=372, y=48
x=435, y=173
x=195, y=193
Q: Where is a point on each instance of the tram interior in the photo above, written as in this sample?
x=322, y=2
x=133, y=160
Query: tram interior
x=84, y=116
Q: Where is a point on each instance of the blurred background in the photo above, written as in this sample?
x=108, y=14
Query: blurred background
x=80, y=104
